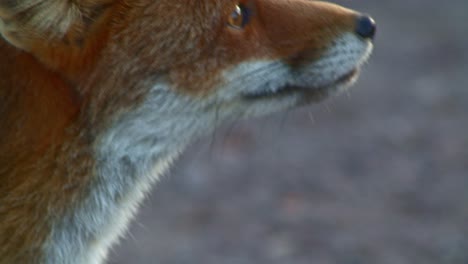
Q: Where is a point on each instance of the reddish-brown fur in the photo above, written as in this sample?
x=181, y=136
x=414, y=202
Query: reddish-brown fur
x=59, y=91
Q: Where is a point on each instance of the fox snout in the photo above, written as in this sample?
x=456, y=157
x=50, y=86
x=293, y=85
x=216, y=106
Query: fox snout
x=303, y=51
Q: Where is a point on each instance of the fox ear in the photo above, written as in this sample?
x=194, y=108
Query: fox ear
x=24, y=22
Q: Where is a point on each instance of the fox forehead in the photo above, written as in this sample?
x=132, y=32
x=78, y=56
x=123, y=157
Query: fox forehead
x=159, y=30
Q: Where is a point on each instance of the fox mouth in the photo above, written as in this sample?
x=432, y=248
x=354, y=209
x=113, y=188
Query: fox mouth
x=310, y=93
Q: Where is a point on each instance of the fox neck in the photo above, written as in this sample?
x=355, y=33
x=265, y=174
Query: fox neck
x=130, y=155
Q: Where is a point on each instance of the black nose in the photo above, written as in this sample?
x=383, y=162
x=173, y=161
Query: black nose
x=366, y=27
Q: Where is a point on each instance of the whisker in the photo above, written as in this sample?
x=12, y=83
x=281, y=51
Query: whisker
x=311, y=117
x=214, y=132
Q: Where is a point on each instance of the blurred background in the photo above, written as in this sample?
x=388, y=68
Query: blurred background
x=376, y=175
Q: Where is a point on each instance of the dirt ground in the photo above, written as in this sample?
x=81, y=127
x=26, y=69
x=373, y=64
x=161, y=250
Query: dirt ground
x=376, y=175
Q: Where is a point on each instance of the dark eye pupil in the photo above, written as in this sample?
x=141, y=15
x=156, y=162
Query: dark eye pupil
x=239, y=17
x=236, y=16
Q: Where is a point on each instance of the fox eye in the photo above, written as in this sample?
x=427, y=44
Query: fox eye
x=240, y=17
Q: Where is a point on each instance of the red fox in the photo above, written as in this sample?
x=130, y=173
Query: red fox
x=98, y=97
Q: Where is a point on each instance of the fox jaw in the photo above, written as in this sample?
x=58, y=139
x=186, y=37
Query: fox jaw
x=146, y=78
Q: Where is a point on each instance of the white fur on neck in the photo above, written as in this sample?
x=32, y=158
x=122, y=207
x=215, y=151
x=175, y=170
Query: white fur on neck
x=131, y=155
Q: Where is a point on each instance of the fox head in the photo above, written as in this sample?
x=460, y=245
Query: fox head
x=234, y=58
x=103, y=93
